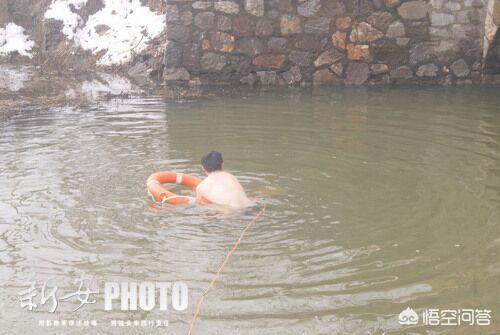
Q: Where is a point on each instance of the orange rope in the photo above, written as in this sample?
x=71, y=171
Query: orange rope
x=221, y=267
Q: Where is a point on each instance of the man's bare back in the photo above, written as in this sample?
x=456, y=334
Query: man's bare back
x=220, y=187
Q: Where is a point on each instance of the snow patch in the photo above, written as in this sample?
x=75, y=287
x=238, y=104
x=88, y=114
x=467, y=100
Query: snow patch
x=131, y=27
x=118, y=30
x=105, y=84
x=61, y=10
x=12, y=39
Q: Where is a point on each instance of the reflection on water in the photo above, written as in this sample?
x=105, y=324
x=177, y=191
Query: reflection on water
x=378, y=199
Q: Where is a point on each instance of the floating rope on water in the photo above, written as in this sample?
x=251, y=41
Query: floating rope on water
x=221, y=267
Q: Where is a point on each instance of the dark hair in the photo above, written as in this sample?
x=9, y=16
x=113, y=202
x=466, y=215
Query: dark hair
x=212, y=161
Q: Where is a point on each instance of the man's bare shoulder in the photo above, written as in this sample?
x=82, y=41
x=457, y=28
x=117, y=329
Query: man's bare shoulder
x=228, y=175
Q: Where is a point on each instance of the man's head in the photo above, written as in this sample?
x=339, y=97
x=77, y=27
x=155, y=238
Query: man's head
x=212, y=161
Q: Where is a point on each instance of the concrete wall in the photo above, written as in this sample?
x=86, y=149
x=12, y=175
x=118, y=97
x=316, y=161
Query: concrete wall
x=491, y=43
x=325, y=42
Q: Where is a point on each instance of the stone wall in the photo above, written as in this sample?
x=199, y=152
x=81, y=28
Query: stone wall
x=324, y=42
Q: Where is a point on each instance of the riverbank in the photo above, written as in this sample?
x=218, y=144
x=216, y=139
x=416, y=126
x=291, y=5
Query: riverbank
x=25, y=87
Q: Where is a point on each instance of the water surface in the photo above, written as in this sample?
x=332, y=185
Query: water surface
x=377, y=199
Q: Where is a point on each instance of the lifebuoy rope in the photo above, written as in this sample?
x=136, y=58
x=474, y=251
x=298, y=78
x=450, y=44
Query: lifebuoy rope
x=221, y=267
x=165, y=199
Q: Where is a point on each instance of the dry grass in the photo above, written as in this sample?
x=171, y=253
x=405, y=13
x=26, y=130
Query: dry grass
x=11, y=104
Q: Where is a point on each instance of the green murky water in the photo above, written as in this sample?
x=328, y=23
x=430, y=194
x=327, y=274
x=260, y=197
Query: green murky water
x=377, y=199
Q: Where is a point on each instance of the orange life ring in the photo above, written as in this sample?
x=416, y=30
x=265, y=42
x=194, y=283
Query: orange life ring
x=161, y=194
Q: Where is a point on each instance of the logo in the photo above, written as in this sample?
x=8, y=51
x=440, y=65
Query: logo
x=447, y=317
x=408, y=317
x=126, y=296
x=131, y=296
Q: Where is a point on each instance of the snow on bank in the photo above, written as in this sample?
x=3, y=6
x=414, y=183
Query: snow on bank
x=12, y=39
x=105, y=84
x=119, y=29
x=131, y=26
x=61, y=10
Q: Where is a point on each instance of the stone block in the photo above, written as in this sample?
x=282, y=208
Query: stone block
x=228, y=7
x=319, y=25
x=290, y=24
x=414, y=10
x=328, y=57
x=357, y=74
x=212, y=62
x=255, y=7
x=427, y=70
x=269, y=61
x=460, y=68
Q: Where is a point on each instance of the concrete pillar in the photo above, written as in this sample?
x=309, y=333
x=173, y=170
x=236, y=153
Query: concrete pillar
x=491, y=23
x=495, y=12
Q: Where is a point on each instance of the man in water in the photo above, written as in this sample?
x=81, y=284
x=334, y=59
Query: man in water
x=220, y=187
